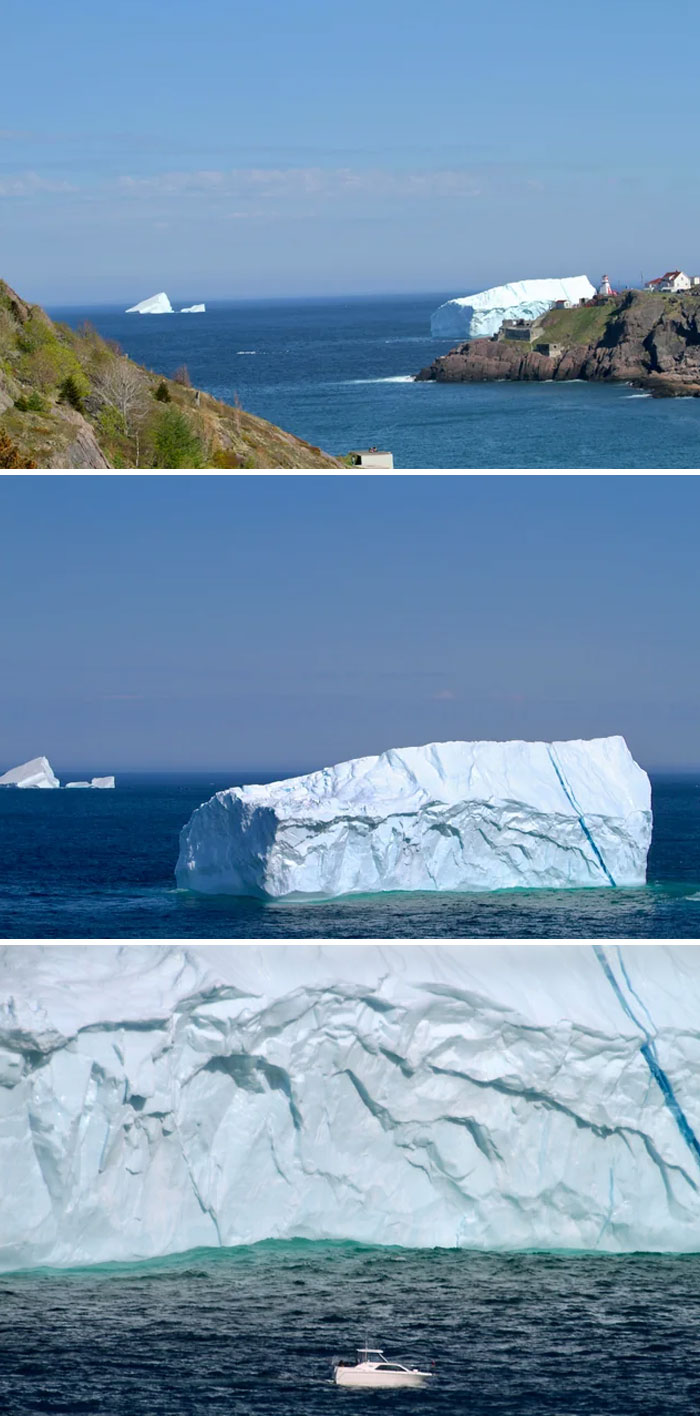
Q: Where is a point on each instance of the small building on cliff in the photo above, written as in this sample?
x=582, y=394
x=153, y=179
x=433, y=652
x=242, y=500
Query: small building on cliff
x=673, y=280
x=525, y=330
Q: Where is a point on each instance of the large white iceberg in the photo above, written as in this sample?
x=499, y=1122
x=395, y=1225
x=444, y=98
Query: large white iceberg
x=475, y=316
x=154, y=1099
x=449, y=816
x=154, y=305
x=193, y=310
x=36, y=773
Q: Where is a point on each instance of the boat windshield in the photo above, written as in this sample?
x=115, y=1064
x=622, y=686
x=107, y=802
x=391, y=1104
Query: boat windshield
x=370, y=1354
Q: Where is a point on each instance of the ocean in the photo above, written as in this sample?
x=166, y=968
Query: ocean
x=99, y=864
x=338, y=373
x=255, y=1330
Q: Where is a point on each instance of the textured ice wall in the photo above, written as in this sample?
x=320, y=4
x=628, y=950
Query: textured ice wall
x=157, y=1099
x=449, y=816
x=476, y=316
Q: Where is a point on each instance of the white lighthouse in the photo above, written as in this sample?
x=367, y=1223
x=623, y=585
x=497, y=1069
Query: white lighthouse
x=605, y=288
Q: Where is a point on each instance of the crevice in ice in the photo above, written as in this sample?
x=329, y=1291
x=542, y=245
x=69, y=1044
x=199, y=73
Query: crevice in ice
x=632, y=990
x=478, y=1133
x=249, y=1072
x=536, y=1097
x=205, y=1208
x=379, y=1112
x=397, y=1061
x=568, y=792
x=648, y=1051
x=125, y=1025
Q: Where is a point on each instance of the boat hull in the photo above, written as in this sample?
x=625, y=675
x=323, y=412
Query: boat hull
x=350, y=1377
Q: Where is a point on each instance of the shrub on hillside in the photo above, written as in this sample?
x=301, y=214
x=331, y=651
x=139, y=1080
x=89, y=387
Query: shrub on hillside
x=173, y=442
x=74, y=390
x=182, y=376
x=10, y=455
x=161, y=392
x=31, y=403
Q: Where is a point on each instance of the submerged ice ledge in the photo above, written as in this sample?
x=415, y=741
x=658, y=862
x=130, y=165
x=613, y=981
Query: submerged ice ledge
x=158, y=1099
x=456, y=816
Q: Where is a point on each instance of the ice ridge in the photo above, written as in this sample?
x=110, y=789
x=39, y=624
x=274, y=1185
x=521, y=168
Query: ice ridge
x=155, y=1099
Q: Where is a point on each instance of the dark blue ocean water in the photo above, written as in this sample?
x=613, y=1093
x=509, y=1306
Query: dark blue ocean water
x=337, y=373
x=253, y=1333
x=92, y=864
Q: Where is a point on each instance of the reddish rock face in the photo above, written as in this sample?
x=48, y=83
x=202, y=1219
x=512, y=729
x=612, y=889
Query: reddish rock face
x=647, y=340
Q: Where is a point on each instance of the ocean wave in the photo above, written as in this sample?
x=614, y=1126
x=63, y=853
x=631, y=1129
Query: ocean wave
x=637, y=395
x=246, y=351
x=391, y=378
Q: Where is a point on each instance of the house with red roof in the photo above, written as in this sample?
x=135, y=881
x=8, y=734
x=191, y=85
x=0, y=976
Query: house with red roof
x=674, y=280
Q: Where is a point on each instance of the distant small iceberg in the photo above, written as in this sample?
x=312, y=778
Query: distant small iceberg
x=154, y=305
x=39, y=773
x=95, y=783
x=193, y=310
x=36, y=773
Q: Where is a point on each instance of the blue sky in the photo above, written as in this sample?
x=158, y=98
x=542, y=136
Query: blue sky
x=289, y=622
x=281, y=148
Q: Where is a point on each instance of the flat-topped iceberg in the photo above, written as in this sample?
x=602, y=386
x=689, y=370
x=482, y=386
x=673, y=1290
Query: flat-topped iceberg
x=36, y=773
x=154, y=305
x=99, y=783
x=193, y=310
x=449, y=816
x=475, y=316
x=484, y=1097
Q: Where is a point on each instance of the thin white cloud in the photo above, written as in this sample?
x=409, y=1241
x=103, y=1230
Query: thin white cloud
x=304, y=182
x=30, y=184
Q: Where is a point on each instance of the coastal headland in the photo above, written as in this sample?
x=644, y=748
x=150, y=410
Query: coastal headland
x=640, y=337
x=72, y=399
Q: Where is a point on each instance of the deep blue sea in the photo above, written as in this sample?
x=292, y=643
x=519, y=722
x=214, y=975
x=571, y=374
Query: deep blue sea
x=253, y=1332
x=99, y=864
x=338, y=373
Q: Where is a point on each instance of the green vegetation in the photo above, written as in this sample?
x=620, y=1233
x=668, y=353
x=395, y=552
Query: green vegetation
x=586, y=324
x=74, y=390
x=32, y=403
x=173, y=441
x=72, y=399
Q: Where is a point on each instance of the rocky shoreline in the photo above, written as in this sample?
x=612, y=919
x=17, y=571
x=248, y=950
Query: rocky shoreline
x=648, y=340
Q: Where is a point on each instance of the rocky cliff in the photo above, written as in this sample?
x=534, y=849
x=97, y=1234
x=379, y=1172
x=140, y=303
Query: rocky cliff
x=72, y=399
x=639, y=337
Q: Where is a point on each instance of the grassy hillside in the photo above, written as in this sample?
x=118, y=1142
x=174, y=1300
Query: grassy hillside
x=585, y=324
x=73, y=399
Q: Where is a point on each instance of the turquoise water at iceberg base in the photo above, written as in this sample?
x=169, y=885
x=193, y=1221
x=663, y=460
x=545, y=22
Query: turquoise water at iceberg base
x=100, y=864
x=255, y=1330
x=339, y=374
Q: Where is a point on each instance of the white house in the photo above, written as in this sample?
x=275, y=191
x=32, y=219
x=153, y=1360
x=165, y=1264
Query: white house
x=674, y=280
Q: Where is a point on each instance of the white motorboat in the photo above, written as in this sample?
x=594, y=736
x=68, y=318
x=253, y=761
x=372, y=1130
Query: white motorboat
x=373, y=1370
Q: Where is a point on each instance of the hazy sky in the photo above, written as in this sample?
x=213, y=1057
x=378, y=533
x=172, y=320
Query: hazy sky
x=289, y=147
x=289, y=622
